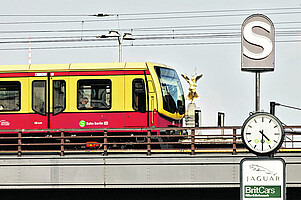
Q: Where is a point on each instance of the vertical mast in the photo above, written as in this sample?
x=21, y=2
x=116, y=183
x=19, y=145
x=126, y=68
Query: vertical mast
x=29, y=51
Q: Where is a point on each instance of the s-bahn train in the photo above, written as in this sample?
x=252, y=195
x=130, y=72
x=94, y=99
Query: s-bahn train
x=90, y=96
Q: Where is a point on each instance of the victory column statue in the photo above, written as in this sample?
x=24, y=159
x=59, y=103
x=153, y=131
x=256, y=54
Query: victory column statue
x=192, y=85
x=192, y=116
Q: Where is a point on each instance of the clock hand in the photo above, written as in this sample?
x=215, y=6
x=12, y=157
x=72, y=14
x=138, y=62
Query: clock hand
x=261, y=139
x=264, y=135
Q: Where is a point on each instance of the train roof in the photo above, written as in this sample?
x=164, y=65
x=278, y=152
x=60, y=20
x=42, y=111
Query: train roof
x=78, y=67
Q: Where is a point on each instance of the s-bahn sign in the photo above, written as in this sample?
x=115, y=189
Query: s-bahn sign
x=257, y=44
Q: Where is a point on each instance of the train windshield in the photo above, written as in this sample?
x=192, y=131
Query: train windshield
x=172, y=92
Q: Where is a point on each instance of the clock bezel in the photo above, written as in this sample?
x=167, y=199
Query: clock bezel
x=257, y=151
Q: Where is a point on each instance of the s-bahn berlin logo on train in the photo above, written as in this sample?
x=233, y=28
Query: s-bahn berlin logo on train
x=84, y=123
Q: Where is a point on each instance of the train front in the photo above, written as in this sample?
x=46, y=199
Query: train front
x=170, y=96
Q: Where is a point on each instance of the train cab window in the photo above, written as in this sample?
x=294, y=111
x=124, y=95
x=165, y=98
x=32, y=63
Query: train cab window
x=59, y=96
x=172, y=92
x=94, y=94
x=139, y=100
x=10, y=92
x=39, y=97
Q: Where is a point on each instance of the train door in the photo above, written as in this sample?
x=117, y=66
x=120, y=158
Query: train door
x=58, y=92
x=135, y=101
x=48, y=102
x=152, y=102
x=39, y=102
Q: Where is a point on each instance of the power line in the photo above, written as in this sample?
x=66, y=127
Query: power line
x=150, y=13
x=137, y=45
x=56, y=15
x=45, y=15
x=171, y=35
x=47, y=22
x=45, y=37
x=54, y=31
x=110, y=46
x=210, y=11
x=159, y=28
x=144, y=18
x=198, y=16
x=58, y=41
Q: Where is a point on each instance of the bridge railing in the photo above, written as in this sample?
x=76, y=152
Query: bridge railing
x=133, y=140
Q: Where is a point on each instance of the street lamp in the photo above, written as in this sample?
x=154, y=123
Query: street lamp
x=116, y=34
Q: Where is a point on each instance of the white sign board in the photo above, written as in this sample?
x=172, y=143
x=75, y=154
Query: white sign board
x=257, y=44
x=262, y=179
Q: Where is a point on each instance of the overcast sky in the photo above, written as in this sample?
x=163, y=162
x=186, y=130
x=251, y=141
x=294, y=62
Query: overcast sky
x=223, y=87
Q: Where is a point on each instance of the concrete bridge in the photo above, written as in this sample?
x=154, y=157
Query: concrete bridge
x=203, y=170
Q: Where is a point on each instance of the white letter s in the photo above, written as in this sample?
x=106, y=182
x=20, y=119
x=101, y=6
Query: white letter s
x=258, y=40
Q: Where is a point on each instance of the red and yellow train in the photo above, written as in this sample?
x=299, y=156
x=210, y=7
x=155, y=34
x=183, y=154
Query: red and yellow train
x=83, y=96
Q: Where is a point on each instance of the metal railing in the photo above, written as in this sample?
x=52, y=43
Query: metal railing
x=132, y=140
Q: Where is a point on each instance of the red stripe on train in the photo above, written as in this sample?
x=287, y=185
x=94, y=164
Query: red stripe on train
x=9, y=75
x=89, y=73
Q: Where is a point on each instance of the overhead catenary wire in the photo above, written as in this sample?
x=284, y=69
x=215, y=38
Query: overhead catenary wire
x=171, y=35
x=213, y=33
x=56, y=15
x=151, y=13
x=137, y=45
x=211, y=11
x=153, y=29
x=160, y=17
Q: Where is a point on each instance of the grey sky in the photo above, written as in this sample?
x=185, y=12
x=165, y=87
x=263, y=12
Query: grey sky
x=223, y=86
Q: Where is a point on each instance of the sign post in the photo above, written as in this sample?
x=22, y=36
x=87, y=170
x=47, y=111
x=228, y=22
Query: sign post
x=257, y=48
x=263, y=177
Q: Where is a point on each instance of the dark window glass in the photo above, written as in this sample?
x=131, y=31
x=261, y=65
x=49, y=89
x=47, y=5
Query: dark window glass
x=94, y=94
x=10, y=92
x=39, y=97
x=172, y=92
x=139, y=99
x=59, y=96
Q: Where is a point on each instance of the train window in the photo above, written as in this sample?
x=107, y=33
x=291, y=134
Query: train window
x=59, y=96
x=10, y=95
x=94, y=94
x=172, y=92
x=139, y=100
x=39, y=97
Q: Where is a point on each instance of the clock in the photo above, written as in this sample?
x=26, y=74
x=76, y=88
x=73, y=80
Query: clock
x=262, y=133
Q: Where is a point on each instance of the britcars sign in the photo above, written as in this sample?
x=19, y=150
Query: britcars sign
x=262, y=178
x=257, y=44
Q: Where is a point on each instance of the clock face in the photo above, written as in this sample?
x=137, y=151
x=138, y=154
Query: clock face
x=262, y=133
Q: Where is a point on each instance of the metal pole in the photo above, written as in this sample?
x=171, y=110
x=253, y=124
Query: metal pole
x=234, y=142
x=19, y=144
x=62, y=143
x=148, y=142
x=272, y=107
x=257, y=100
x=105, y=143
x=192, y=142
x=120, y=50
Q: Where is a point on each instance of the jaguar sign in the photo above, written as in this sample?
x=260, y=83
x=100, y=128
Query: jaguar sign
x=262, y=179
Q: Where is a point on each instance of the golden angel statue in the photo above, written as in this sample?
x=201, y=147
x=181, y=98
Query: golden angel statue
x=192, y=85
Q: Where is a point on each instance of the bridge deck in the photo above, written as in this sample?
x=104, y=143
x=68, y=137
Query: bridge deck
x=132, y=171
x=132, y=158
